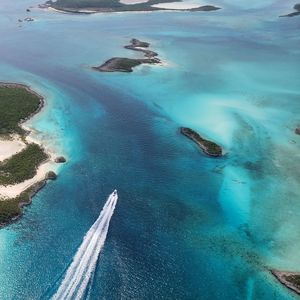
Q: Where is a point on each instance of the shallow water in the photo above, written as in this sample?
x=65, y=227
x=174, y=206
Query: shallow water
x=186, y=226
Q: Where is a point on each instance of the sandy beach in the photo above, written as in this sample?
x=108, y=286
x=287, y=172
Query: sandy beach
x=10, y=147
x=12, y=191
x=14, y=144
x=132, y=1
x=178, y=5
x=82, y=11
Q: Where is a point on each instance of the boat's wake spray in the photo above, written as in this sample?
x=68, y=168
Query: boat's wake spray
x=80, y=271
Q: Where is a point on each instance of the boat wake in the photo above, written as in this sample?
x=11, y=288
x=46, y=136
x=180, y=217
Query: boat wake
x=79, y=273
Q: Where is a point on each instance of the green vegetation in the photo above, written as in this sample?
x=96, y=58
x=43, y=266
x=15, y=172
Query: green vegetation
x=16, y=104
x=138, y=43
x=51, y=175
x=12, y=208
x=289, y=279
x=126, y=64
x=60, y=160
x=294, y=279
x=123, y=64
x=207, y=146
x=22, y=166
x=104, y=5
x=295, y=13
x=9, y=209
x=119, y=64
x=113, y=5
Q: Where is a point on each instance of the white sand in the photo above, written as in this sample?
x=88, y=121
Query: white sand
x=177, y=5
x=11, y=191
x=14, y=145
x=89, y=11
x=133, y=1
x=10, y=147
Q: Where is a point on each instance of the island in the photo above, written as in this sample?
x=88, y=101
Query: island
x=98, y=6
x=289, y=279
x=208, y=147
x=60, y=159
x=24, y=164
x=123, y=64
x=295, y=13
x=297, y=130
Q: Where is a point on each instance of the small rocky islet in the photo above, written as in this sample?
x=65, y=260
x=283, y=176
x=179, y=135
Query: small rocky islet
x=294, y=13
x=210, y=148
x=124, y=64
x=51, y=175
x=289, y=279
x=60, y=159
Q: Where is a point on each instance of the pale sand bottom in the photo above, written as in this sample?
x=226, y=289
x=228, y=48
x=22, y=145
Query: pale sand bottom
x=10, y=147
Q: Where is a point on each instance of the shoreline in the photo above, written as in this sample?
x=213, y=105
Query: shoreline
x=210, y=148
x=10, y=146
x=28, y=89
x=201, y=8
x=30, y=193
x=282, y=276
x=126, y=65
x=26, y=190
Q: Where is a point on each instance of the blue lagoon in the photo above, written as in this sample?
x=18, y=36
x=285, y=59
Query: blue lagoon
x=186, y=226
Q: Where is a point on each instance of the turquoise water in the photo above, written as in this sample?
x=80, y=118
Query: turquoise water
x=186, y=226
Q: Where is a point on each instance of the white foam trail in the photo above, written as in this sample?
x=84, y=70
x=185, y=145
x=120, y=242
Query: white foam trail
x=84, y=262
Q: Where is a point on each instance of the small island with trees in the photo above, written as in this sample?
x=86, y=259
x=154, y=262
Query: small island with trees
x=124, y=64
x=98, y=6
x=294, y=13
x=208, y=147
x=290, y=279
x=20, y=157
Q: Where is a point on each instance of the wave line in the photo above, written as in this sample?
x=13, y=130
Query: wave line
x=79, y=273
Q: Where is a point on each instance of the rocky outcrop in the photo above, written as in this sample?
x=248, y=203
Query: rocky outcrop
x=60, y=160
x=51, y=175
x=289, y=279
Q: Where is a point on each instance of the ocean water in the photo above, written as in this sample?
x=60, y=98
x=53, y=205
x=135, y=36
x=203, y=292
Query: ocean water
x=186, y=226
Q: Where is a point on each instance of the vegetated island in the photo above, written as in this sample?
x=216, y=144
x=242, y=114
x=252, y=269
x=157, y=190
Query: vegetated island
x=295, y=13
x=20, y=158
x=123, y=64
x=208, y=147
x=297, y=130
x=98, y=6
x=290, y=279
